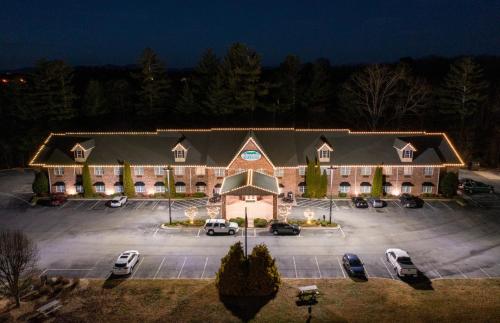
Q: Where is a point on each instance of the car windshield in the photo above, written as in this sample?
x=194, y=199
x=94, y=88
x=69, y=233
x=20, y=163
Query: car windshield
x=120, y=265
x=405, y=260
x=355, y=262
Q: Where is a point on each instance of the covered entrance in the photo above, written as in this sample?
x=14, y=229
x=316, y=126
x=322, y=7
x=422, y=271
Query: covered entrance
x=251, y=187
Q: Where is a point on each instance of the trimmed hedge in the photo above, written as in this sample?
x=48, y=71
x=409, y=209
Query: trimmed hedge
x=239, y=220
x=259, y=223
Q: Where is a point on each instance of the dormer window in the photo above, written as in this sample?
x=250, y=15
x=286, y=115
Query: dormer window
x=407, y=154
x=179, y=154
x=324, y=154
x=79, y=153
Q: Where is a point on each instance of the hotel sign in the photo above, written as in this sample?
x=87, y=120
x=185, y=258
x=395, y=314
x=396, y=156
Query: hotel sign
x=251, y=155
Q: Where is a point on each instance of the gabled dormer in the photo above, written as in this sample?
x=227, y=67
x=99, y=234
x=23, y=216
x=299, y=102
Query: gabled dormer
x=404, y=149
x=82, y=150
x=324, y=150
x=180, y=153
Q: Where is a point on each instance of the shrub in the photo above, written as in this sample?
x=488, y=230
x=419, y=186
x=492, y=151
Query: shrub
x=260, y=223
x=239, y=220
x=199, y=194
x=40, y=185
x=230, y=280
x=326, y=224
x=449, y=184
x=128, y=183
x=263, y=276
x=342, y=195
x=88, y=188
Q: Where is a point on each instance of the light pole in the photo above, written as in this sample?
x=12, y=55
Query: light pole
x=246, y=236
x=168, y=188
x=331, y=192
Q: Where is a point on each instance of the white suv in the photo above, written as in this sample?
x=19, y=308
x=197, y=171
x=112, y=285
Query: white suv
x=401, y=262
x=214, y=226
x=118, y=201
x=126, y=262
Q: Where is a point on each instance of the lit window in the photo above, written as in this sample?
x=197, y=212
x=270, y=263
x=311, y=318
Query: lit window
x=407, y=153
x=200, y=188
x=140, y=189
x=179, y=171
x=406, y=189
x=427, y=189
x=60, y=188
x=180, y=189
x=220, y=172
x=217, y=189
x=407, y=171
x=159, y=189
x=387, y=170
x=302, y=171
x=324, y=154
x=302, y=188
x=387, y=189
x=79, y=188
x=428, y=171
x=344, y=188
x=138, y=171
x=98, y=171
x=279, y=172
x=200, y=171
x=59, y=171
x=118, y=170
x=366, y=171
x=99, y=188
x=345, y=170
x=365, y=189
x=179, y=154
x=159, y=171
x=78, y=153
x=118, y=189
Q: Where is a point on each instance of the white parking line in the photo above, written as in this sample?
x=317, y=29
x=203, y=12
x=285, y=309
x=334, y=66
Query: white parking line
x=156, y=231
x=485, y=272
x=437, y=272
x=464, y=275
x=385, y=265
x=397, y=204
x=204, y=267
x=341, y=267
x=139, y=265
x=81, y=203
x=317, y=265
x=295, y=267
x=366, y=272
x=92, y=207
x=139, y=205
x=449, y=207
x=154, y=206
x=182, y=267
x=159, y=267
x=342, y=231
x=254, y=233
x=432, y=207
x=199, y=231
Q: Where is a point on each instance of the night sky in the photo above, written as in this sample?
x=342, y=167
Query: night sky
x=115, y=32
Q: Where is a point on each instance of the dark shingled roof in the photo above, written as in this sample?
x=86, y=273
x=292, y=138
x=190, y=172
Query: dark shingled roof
x=217, y=147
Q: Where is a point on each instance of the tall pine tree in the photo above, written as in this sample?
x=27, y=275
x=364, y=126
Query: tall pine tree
x=94, y=100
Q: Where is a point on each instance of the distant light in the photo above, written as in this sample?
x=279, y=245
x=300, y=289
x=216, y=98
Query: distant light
x=5, y=81
x=22, y=80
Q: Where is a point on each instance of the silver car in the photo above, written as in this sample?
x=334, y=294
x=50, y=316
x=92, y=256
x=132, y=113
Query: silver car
x=376, y=203
x=220, y=226
x=126, y=262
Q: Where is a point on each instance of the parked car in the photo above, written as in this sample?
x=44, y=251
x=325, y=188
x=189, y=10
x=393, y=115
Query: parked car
x=288, y=198
x=463, y=182
x=376, y=202
x=215, y=199
x=220, y=226
x=401, y=262
x=55, y=200
x=126, y=262
x=118, y=201
x=353, y=265
x=359, y=202
x=410, y=201
x=284, y=228
x=472, y=187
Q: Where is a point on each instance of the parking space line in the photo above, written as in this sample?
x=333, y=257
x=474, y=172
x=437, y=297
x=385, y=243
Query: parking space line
x=159, y=267
x=182, y=267
x=485, y=272
x=62, y=206
x=432, y=207
x=156, y=231
x=92, y=207
x=81, y=203
x=138, y=266
x=204, y=267
x=446, y=205
x=295, y=266
x=317, y=265
x=199, y=231
x=342, y=231
x=366, y=272
x=254, y=233
x=465, y=276
x=385, y=265
x=341, y=267
x=437, y=272
x=139, y=205
x=397, y=204
x=156, y=203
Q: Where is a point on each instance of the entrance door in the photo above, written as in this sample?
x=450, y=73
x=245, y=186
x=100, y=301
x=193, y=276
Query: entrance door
x=250, y=198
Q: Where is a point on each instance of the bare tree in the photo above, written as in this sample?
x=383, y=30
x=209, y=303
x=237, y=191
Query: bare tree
x=18, y=258
x=380, y=94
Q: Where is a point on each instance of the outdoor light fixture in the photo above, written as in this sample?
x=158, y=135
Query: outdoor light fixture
x=308, y=213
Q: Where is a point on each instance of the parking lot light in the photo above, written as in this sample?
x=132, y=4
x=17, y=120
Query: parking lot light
x=308, y=213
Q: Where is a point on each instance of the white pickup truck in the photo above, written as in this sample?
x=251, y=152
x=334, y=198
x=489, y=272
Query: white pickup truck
x=401, y=262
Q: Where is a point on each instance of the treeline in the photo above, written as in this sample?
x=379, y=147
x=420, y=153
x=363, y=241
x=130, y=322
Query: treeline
x=455, y=96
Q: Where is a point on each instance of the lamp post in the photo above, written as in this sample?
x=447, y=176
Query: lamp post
x=169, y=193
x=246, y=236
x=331, y=192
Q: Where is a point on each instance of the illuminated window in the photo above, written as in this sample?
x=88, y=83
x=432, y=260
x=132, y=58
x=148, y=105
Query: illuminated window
x=387, y=170
x=407, y=153
x=324, y=154
x=345, y=170
x=159, y=188
x=60, y=188
x=98, y=171
x=302, y=171
x=220, y=172
x=427, y=189
x=366, y=171
x=138, y=171
x=179, y=154
x=406, y=189
x=78, y=153
x=79, y=188
x=159, y=171
x=140, y=188
x=428, y=171
x=118, y=188
x=118, y=170
x=279, y=172
x=407, y=171
x=99, y=188
x=178, y=171
x=200, y=171
x=59, y=171
x=344, y=187
x=302, y=187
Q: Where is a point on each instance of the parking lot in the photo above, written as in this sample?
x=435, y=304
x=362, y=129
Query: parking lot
x=83, y=238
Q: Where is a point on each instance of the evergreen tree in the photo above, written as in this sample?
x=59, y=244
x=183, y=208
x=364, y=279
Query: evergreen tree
x=323, y=184
x=319, y=93
x=128, y=183
x=310, y=180
x=154, y=85
x=186, y=104
x=52, y=94
x=377, y=189
x=94, y=100
x=463, y=92
x=263, y=277
x=241, y=75
x=171, y=181
x=88, y=188
x=289, y=75
x=448, y=184
x=40, y=184
x=119, y=96
x=231, y=280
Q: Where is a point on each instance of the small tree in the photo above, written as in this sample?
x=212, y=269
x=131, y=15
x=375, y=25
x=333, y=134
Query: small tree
x=449, y=184
x=230, y=280
x=377, y=183
x=128, y=183
x=88, y=188
x=263, y=277
x=170, y=184
x=40, y=184
x=18, y=258
x=323, y=180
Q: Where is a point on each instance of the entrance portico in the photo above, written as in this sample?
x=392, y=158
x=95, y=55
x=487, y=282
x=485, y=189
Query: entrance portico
x=250, y=185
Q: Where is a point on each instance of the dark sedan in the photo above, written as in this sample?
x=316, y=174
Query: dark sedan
x=472, y=187
x=410, y=201
x=284, y=228
x=359, y=202
x=353, y=265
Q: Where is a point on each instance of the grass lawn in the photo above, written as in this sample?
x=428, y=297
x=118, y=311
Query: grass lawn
x=377, y=300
